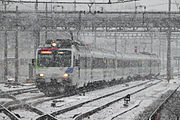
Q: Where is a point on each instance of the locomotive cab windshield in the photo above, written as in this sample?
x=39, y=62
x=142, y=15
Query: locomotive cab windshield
x=54, y=58
x=57, y=54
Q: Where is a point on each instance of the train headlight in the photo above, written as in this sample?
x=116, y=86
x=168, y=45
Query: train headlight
x=53, y=44
x=66, y=75
x=41, y=75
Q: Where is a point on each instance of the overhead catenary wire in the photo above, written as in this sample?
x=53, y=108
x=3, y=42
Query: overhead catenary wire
x=59, y=2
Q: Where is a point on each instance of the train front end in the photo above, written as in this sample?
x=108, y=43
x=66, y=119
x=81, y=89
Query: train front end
x=53, y=70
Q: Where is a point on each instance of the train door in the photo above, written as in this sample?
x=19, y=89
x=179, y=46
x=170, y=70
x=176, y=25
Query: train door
x=88, y=68
x=91, y=68
x=105, y=69
x=85, y=68
x=159, y=66
x=83, y=72
x=114, y=68
x=139, y=66
x=76, y=66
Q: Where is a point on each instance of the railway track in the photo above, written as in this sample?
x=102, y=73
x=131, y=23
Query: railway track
x=15, y=108
x=24, y=110
x=139, y=101
x=7, y=114
x=18, y=96
x=21, y=106
x=13, y=95
x=123, y=111
x=18, y=91
x=35, y=103
x=80, y=105
x=117, y=99
x=154, y=114
x=43, y=115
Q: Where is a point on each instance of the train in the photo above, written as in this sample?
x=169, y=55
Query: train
x=63, y=65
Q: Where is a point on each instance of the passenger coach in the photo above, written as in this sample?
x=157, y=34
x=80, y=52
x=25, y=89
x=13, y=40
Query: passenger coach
x=65, y=65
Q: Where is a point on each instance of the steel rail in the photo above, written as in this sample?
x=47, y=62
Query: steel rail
x=18, y=104
x=125, y=111
x=8, y=113
x=46, y=117
x=86, y=114
x=19, y=90
x=92, y=100
x=151, y=117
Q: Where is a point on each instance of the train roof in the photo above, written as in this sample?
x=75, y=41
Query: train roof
x=100, y=54
x=139, y=56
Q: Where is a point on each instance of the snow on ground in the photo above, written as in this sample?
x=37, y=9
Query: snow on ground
x=147, y=97
x=5, y=100
x=92, y=105
x=25, y=114
x=28, y=95
x=73, y=100
x=4, y=87
x=4, y=117
x=123, y=109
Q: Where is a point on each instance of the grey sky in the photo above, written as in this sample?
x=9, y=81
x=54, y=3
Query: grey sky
x=151, y=5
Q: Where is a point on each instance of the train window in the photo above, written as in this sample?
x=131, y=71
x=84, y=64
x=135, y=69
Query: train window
x=98, y=63
x=63, y=58
x=155, y=63
x=127, y=63
x=110, y=63
x=76, y=61
x=149, y=63
x=120, y=63
x=140, y=63
x=45, y=59
x=105, y=63
x=144, y=63
x=54, y=58
x=133, y=63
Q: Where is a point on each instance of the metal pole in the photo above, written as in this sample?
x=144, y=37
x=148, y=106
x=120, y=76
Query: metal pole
x=169, y=46
x=159, y=48
x=5, y=47
x=79, y=29
x=163, y=55
x=135, y=6
x=176, y=49
x=51, y=6
x=46, y=23
x=151, y=42
x=32, y=69
x=16, y=50
x=36, y=6
x=90, y=6
x=178, y=68
x=75, y=5
x=95, y=37
x=125, y=45
x=115, y=42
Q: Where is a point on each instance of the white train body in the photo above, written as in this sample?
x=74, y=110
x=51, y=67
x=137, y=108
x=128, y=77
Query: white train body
x=58, y=69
